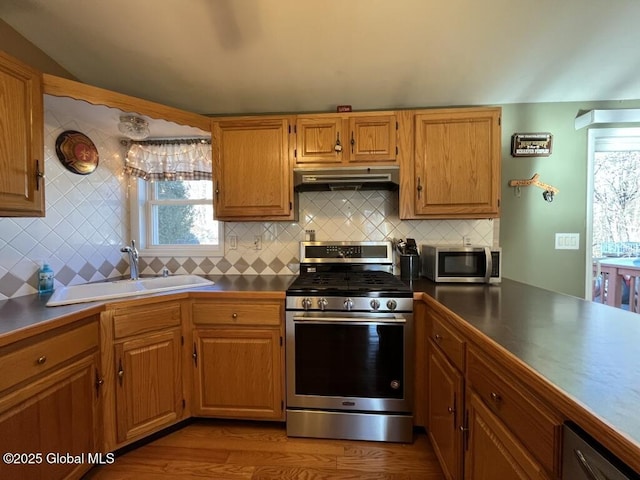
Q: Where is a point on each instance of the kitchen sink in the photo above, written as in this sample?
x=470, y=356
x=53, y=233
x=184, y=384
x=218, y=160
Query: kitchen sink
x=90, y=292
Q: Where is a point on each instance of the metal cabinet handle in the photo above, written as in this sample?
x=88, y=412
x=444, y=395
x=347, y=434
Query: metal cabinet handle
x=353, y=142
x=195, y=355
x=419, y=187
x=41, y=360
x=39, y=175
x=586, y=466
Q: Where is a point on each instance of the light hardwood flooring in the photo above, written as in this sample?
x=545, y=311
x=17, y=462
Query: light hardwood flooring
x=228, y=450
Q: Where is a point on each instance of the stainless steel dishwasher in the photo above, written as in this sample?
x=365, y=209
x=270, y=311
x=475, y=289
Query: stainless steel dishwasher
x=584, y=459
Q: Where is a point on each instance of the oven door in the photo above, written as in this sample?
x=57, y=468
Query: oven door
x=349, y=361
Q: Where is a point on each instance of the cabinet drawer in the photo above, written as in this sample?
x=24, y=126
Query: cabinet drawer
x=535, y=425
x=450, y=342
x=238, y=312
x=145, y=318
x=23, y=363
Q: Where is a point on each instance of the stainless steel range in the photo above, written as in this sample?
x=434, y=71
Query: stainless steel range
x=349, y=328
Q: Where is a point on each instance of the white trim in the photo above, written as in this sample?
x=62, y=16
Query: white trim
x=596, y=117
x=603, y=137
x=140, y=212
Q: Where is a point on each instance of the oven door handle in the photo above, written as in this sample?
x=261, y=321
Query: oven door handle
x=371, y=321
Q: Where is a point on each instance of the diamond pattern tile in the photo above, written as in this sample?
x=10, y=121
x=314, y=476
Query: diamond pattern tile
x=10, y=285
x=87, y=222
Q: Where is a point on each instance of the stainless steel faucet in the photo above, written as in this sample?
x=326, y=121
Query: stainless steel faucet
x=133, y=259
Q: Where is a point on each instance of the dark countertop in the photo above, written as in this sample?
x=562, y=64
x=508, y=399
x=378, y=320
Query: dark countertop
x=29, y=315
x=589, y=351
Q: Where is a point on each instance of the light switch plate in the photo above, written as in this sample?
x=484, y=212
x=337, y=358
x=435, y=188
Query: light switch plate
x=567, y=241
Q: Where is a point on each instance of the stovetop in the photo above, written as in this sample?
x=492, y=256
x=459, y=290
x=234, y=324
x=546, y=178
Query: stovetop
x=361, y=283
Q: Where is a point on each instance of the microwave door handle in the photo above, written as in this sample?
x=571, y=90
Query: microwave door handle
x=488, y=264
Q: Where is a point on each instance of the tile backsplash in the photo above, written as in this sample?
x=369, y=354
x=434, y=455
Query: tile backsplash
x=87, y=221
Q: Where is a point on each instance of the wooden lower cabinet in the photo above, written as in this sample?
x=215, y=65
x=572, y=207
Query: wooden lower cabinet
x=52, y=422
x=445, y=413
x=142, y=354
x=238, y=373
x=493, y=452
x=149, y=384
x=238, y=357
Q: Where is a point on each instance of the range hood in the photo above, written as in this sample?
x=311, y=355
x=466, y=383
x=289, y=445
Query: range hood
x=346, y=178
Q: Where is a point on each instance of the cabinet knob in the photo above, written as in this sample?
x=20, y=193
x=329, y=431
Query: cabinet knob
x=437, y=337
x=495, y=397
x=451, y=410
x=234, y=315
x=120, y=372
x=41, y=360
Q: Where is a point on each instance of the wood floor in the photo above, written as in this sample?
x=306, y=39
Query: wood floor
x=262, y=451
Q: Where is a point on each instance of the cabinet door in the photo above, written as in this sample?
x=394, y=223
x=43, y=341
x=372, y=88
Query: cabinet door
x=149, y=384
x=445, y=413
x=320, y=140
x=238, y=373
x=493, y=451
x=253, y=169
x=372, y=139
x=57, y=414
x=21, y=140
x=457, y=163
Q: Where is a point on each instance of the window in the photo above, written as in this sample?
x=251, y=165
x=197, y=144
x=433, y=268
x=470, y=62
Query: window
x=176, y=218
x=172, y=198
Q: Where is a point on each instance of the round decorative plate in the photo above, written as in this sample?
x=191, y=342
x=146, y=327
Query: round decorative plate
x=77, y=152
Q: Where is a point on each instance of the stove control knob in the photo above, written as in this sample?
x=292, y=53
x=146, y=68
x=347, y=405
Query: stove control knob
x=392, y=304
x=322, y=303
x=348, y=304
x=375, y=304
x=306, y=303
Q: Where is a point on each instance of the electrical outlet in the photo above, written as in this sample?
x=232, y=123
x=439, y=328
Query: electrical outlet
x=233, y=242
x=466, y=240
x=258, y=242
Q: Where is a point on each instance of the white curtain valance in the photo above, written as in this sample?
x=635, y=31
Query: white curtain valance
x=170, y=160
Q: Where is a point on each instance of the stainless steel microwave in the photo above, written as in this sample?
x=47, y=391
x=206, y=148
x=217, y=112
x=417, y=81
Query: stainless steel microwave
x=452, y=263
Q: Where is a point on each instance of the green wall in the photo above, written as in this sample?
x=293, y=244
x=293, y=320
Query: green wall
x=528, y=223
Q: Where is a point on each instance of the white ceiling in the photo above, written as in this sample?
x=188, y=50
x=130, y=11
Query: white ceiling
x=250, y=56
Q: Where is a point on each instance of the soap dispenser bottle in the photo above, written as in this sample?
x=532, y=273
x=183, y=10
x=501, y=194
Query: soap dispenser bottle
x=45, y=279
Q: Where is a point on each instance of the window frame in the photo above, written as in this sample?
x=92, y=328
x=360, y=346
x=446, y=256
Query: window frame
x=142, y=228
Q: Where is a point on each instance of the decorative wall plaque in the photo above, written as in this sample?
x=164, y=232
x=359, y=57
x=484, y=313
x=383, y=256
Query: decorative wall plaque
x=77, y=152
x=531, y=144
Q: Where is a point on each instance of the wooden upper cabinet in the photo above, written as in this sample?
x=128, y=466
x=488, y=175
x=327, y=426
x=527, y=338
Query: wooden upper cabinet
x=253, y=175
x=372, y=139
x=319, y=140
x=332, y=140
x=21, y=140
x=456, y=163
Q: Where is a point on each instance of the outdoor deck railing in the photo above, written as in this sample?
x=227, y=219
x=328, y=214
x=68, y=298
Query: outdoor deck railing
x=619, y=275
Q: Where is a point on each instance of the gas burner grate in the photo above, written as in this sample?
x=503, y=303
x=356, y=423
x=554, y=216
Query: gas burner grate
x=343, y=282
